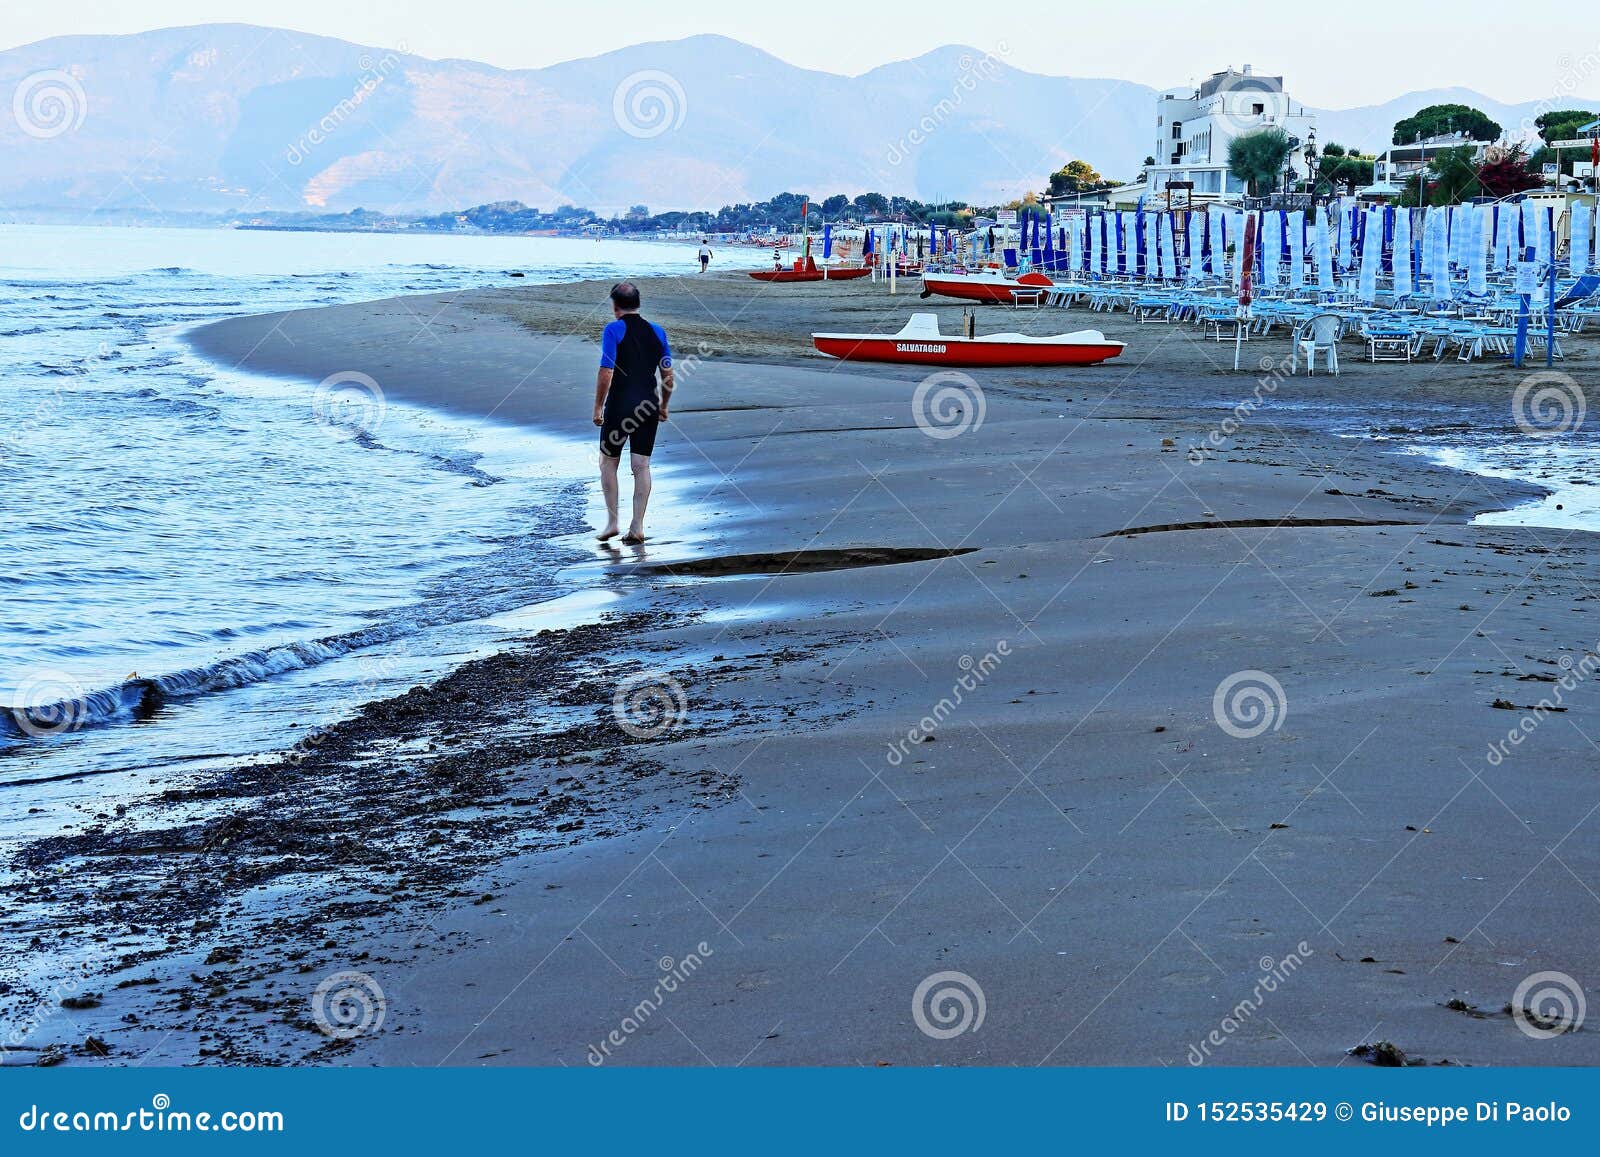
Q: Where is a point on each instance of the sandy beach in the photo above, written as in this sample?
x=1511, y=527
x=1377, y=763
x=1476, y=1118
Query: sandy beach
x=1159, y=745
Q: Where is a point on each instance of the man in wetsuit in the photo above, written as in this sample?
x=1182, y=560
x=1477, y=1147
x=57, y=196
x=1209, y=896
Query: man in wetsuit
x=627, y=405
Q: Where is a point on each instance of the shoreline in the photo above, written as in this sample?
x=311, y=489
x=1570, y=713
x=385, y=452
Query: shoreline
x=1030, y=847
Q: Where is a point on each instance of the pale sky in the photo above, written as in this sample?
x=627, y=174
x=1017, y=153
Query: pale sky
x=1331, y=55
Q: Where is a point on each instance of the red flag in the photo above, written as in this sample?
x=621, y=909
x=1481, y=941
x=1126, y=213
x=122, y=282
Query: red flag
x=1594, y=153
x=805, y=207
x=1247, y=260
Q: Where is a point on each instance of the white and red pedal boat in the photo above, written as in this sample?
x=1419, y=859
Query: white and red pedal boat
x=921, y=344
x=982, y=285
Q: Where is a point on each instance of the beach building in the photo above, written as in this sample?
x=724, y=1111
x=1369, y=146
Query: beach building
x=1195, y=126
x=1391, y=170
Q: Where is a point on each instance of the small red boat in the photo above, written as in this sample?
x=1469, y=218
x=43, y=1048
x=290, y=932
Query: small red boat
x=985, y=285
x=815, y=273
x=920, y=343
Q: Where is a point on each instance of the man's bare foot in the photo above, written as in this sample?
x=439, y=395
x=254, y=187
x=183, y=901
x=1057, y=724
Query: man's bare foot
x=608, y=533
x=633, y=537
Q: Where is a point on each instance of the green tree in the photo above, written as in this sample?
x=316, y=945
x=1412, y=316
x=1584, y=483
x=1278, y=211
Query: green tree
x=1333, y=149
x=1439, y=119
x=874, y=203
x=1563, y=124
x=1452, y=178
x=1257, y=158
x=1350, y=170
x=1075, y=177
x=835, y=205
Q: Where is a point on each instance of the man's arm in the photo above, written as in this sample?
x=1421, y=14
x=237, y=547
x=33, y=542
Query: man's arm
x=666, y=392
x=602, y=387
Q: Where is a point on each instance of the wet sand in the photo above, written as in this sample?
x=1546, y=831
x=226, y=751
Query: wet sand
x=998, y=753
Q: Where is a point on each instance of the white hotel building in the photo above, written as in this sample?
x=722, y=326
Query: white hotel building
x=1194, y=127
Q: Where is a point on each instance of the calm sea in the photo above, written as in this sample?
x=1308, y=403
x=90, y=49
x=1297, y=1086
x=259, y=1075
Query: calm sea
x=229, y=542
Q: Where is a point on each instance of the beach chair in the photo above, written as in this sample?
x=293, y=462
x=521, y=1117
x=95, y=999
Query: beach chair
x=1319, y=332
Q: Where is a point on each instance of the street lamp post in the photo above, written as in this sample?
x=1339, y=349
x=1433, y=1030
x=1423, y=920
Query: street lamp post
x=1311, y=164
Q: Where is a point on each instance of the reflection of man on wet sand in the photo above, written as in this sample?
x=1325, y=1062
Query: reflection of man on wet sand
x=627, y=405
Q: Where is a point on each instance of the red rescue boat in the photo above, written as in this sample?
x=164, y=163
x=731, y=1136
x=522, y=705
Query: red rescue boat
x=814, y=273
x=920, y=343
x=985, y=285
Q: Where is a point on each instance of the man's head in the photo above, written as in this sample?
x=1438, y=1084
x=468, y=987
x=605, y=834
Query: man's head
x=624, y=298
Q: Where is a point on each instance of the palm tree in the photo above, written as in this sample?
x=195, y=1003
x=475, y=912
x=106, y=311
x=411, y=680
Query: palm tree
x=1257, y=158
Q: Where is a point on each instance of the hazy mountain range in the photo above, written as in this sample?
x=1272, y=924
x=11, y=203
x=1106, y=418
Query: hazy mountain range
x=232, y=117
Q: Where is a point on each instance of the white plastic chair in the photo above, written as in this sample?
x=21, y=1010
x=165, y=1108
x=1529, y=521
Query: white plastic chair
x=1321, y=332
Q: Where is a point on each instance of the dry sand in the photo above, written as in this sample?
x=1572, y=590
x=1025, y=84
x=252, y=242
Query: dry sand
x=1075, y=833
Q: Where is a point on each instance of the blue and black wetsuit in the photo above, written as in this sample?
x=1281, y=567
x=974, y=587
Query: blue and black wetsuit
x=633, y=349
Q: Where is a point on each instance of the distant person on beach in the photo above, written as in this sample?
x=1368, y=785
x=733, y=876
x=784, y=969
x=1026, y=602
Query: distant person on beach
x=705, y=255
x=627, y=404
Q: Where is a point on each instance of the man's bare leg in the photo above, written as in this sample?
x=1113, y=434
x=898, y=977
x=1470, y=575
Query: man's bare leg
x=640, y=464
x=608, y=487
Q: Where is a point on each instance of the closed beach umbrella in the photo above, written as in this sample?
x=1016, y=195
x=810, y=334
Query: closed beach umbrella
x=1578, y=251
x=1402, y=253
x=1532, y=235
x=1441, y=255
x=1217, y=264
x=1295, y=222
x=1371, y=255
x=1478, y=253
x=1169, y=249
x=827, y=241
x=1323, y=244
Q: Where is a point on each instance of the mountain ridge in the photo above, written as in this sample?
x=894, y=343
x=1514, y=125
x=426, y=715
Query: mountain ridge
x=235, y=117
